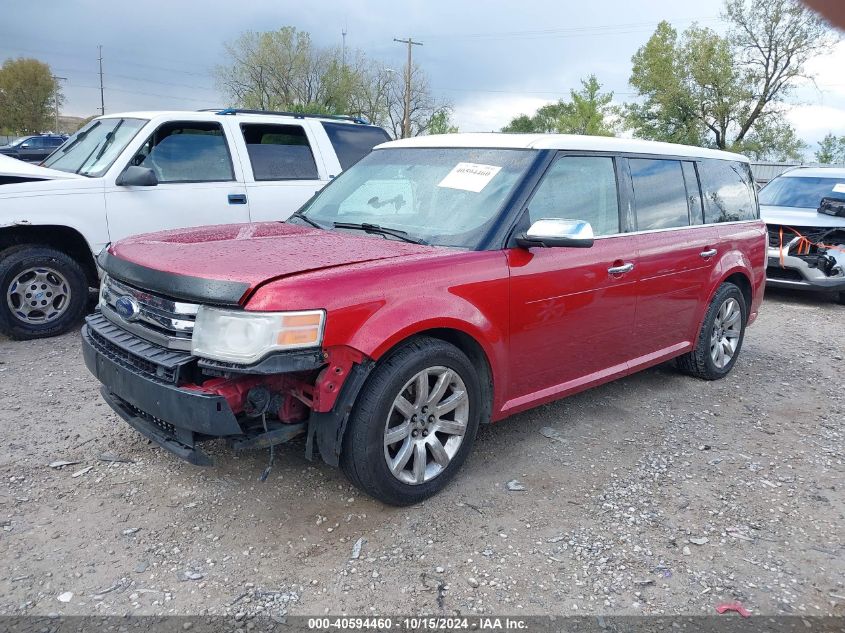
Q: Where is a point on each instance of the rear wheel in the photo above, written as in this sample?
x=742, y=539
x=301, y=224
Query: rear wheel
x=842, y=298
x=720, y=338
x=414, y=422
x=43, y=292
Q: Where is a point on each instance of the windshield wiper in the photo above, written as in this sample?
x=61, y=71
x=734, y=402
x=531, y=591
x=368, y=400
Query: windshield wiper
x=305, y=218
x=79, y=137
x=381, y=230
x=109, y=138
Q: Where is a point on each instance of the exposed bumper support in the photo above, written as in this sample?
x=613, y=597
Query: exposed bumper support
x=803, y=276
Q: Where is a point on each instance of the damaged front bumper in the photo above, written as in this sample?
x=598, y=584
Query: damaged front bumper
x=170, y=399
x=809, y=266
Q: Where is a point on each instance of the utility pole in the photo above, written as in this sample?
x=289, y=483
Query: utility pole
x=343, y=54
x=56, y=100
x=102, y=96
x=406, y=121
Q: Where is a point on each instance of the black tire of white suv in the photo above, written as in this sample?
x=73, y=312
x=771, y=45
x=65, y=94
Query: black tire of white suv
x=43, y=292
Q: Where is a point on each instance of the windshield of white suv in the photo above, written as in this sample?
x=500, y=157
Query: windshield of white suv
x=795, y=191
x=93, y=149
x=442, y=196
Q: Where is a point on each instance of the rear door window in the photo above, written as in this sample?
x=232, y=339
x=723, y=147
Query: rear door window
x=279, y=152
x=579, y=188
x=187, y=151
x=660, y=194
x=352, y=142
x=728, y=191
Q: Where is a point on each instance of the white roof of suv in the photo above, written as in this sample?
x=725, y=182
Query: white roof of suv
x=202, y=115
x=561, y=141
x=815, y=172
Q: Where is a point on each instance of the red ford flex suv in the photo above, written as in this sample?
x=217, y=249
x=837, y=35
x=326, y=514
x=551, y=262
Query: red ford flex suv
x=441, y=283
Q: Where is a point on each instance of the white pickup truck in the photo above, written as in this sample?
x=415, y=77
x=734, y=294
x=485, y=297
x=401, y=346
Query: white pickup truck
x=140, y=172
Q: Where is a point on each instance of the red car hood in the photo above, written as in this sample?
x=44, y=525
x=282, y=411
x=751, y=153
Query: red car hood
x=256, y=253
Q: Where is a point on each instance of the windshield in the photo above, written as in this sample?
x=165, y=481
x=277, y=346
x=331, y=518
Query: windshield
x=17, y=141
x=93, y=149
x=801, y=192
x=447, y=197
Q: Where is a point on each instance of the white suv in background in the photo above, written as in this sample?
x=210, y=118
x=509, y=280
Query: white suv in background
x=140, y=172
x=804, y=209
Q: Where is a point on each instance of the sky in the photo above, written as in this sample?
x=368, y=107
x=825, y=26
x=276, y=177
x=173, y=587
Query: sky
x=490, y=59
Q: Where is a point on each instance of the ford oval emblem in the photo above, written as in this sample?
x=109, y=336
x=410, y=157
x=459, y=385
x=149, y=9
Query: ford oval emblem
x=127, y=308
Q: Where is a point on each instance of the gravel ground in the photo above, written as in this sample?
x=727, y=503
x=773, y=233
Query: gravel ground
x=656, y=494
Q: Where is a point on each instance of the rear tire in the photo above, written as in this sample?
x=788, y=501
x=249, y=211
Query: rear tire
x=43, y=292
x=413, y=423
x=723, y=329
x=842, y=298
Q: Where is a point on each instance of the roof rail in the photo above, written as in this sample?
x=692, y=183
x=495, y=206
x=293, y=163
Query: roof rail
x=297, y=115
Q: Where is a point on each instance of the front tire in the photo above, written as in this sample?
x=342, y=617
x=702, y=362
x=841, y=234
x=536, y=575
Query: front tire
x=720, y=338
x=414, y=422
x=43, y=292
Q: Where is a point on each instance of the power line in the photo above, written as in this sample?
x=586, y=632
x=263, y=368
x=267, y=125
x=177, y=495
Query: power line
x=524, y=92
x=567, y=32
x=130, y=78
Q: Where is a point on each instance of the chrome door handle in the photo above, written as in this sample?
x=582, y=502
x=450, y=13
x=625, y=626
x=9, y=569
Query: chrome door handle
x=708, y=254
x=618, y=270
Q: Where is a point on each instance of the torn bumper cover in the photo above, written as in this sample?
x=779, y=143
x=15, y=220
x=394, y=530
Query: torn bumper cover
x=806, y=258
x=152, y=406
x=154, y=391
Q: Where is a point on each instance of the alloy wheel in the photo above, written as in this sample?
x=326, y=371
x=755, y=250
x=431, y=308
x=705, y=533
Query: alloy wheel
x=426, y=425
x=727, y=329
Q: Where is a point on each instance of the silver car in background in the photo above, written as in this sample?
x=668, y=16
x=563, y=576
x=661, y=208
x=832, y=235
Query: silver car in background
x=804, y=210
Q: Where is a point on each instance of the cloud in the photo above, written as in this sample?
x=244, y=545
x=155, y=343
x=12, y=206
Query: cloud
x=489, y=113
x=812, y=122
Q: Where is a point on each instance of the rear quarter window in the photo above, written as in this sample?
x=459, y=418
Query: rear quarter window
x=279, y=152
x=728, y=191
x=352, y=142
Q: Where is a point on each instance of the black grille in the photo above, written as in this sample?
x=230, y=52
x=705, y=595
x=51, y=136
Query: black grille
x=787, y=274
x=167, y=427
x=134, y=353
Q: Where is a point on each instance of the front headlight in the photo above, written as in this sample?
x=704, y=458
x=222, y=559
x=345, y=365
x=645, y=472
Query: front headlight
x=103, y=294
x=246, y=337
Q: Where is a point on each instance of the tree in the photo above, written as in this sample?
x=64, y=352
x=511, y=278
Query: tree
x=728, y=91
x=589, y=111
x=441, y=123
x=831, y=150
x=28, y=95
x=285, y=70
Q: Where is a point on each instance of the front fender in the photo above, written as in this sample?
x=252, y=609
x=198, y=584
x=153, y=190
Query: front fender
x=76, y=204
x=372, y=307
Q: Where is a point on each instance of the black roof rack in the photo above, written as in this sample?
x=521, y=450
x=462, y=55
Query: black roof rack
x=298, y=115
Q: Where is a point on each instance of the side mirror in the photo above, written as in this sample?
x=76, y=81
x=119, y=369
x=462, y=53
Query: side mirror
x=551, y=232
x=25, y=145
x=134, y=176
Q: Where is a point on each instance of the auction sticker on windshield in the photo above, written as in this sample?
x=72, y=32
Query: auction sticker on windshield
x=470, y=177
x=839, y=187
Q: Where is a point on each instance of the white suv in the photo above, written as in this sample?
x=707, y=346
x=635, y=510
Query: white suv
x=140, y=172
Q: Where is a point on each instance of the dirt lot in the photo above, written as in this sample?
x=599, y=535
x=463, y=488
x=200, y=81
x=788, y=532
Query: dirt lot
x=658, y=494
